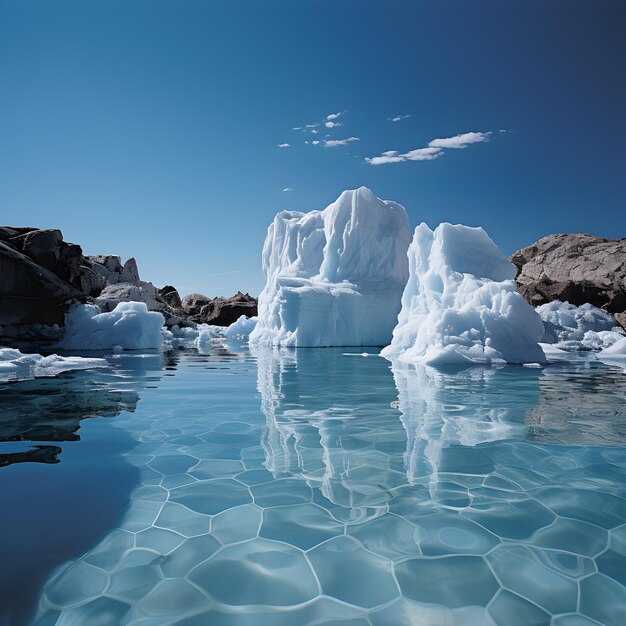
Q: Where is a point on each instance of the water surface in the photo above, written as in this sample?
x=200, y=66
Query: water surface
x=322, y=487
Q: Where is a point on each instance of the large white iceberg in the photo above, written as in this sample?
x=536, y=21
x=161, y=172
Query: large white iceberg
x=334, y=277
x=15, y=365
x=129, y=325
x=460, y=304
x=584, y=327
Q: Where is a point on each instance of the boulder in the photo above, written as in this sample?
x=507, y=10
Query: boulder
x=170, y=296
x=42, y=246
x=576, y=268
x=193, y=303
x=112, y=295
x=30, y=293
x=226, y=311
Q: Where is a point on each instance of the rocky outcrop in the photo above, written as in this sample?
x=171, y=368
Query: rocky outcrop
x=30, y=293
x=219, y=311
x=41, y=275
x=576, y=268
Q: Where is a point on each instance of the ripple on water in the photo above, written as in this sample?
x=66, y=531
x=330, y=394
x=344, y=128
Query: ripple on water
x=352, y=494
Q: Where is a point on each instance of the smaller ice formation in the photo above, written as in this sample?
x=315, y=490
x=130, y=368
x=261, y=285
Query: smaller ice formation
x=615, y=354
x=15, y=366
x=242, y=328
x=460, y=304
x=129, y=325
x=334, y=277
x=584, y=327
x=207, y=336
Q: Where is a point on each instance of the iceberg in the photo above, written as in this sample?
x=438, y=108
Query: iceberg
x=334, y=277
x=584, y=327
x=16, y=366
x=129, y=325
x=460, y=304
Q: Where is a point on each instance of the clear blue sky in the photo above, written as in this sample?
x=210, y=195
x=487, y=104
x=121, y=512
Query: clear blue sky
x=151, y=129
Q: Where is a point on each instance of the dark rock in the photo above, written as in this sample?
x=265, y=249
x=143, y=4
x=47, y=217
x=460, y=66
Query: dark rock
x=226, y=311
x=9, y=232
x=577, y=268
x=42, y=246
x=30, y=293
x=621, y=319
x=193, y=303
x=170, y=296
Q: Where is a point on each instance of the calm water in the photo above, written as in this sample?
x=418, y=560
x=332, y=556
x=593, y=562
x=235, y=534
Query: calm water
x=313, y=487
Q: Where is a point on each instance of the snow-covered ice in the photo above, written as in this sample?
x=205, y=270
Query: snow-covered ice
x=460, y=304
x=207, y=336
x=15, y=365
x=334, y=277
x=129, y=325
x=584, y=327
x=242, y=328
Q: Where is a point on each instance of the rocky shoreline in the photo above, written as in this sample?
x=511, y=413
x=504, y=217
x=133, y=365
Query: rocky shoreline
x=42, y=276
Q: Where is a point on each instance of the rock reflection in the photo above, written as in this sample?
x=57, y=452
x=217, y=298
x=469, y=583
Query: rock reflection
x=51, y=409
x=580, y=404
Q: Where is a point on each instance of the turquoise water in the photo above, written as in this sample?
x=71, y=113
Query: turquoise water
x=315, y=487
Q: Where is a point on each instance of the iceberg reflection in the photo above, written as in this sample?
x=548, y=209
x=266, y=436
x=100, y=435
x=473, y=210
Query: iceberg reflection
x=330, y=420
x=446, y=407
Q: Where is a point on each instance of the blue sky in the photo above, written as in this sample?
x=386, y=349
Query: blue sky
x=151, y=129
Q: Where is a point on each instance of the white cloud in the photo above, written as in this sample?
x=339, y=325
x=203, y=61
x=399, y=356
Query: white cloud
x=284, y=145
x=312, y=125
x=434, y=150
x=334, y=116
x=398, y=118
x=423, y=154
x=333, y=124
x=459, y=141
x=314, y=132
x=286, y=189
x=297, y=128
x=315, y=143
x=333, y=143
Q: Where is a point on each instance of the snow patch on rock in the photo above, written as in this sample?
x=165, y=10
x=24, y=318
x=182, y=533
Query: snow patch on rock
x=129, y=325
x=460, y=304
x=334, y=277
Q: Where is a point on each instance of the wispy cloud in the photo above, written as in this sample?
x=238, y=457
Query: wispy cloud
x=333, y=143
x=398, y=118
x=286, y=189
x=330, y=121
x=284, y=145
x=435, y=149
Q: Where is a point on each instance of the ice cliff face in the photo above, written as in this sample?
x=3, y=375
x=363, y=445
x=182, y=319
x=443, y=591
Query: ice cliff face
x=460, y=303
x=334, y=277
